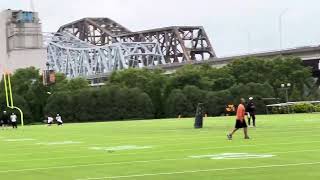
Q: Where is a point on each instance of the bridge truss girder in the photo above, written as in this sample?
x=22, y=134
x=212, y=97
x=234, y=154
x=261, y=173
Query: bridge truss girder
x=74, y=58
x=178, y=43
x=97, y=31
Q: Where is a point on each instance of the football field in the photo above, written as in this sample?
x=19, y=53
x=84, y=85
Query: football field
x=281, y=147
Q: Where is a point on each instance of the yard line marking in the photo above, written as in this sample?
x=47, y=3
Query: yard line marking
x=87, y=165
x=222, y=156
x=119, y=163
x=176, y=144
x=59, y=143
x=91, y=156
x=121, y=148
x=18, y=140
x=192, y=135
x=263, y=130
x=202, y=170
x=174, y=150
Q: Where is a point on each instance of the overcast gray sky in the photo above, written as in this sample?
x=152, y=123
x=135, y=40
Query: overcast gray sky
x=227, y=22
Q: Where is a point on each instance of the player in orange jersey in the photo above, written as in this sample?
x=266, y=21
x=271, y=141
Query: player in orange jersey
x=240, y=121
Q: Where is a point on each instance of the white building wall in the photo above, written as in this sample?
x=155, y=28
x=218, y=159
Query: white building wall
x=26, y=58
x=3, y=42
x=18, y=58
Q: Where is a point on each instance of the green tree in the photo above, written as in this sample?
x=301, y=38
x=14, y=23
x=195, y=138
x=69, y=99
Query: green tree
x=61, y=103
x=178, y=104
x=250, y=69
x=27, y=83
x=194, y=96
x=216, y=102
x=290, y=70
x=216, y=79
x=152, y=82
x=274, y=71
x=187, y=75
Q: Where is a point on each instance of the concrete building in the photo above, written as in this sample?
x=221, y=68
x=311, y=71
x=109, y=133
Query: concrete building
x=21, y=40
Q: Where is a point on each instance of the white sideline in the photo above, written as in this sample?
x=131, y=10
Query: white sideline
x=264, y=130
x=127, y=162
x=19, y=140
x=92, y=156
x=86, y=165
x=192, y=135
x=201, y=139
x=173, y=150
x=201, y=170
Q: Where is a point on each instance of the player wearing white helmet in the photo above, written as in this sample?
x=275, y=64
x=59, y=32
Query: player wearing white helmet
x=59, y=120
x=13, y=119
x=50, y=120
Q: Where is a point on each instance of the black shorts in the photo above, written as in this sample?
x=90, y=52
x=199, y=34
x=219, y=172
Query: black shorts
x=5, y=122
x=240, y=124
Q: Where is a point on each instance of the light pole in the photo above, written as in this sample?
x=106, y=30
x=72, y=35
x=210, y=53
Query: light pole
x=280, y=27
x=286, y=88
x=249, y=43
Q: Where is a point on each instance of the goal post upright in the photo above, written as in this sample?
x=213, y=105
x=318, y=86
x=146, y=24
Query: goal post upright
x=9, y=97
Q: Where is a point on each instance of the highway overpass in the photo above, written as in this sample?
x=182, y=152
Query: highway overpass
x=309, y=54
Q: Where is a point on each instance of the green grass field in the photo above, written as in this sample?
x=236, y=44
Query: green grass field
x=282, y=147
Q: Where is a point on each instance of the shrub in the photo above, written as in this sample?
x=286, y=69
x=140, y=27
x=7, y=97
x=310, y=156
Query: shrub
x=303, y=108
x=108, y=103
x=281, y=110
x=317, y=108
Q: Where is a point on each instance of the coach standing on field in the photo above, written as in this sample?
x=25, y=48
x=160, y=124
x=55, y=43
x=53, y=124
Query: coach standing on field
x=13, y=118
x=5, y=119
x=240, y=121
x=251, y=111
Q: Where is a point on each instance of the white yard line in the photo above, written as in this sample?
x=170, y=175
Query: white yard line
x=125, y=162
x=202, y=170
x=87, y=165
x=92, y=156
x=175, y=150
x=198, y=139
x=19, y=140
x=193, y=135
x=198, y=132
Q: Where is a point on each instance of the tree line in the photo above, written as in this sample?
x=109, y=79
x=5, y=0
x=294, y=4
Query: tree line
x=149, y=94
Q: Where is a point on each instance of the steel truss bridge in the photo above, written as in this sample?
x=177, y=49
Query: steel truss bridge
x=76, y=58
x=94, y=46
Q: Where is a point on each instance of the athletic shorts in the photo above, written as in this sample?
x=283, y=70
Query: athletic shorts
x=5, y=121
x=240, y=124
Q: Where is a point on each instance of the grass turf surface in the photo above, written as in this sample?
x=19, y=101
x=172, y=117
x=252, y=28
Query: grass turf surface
x=82, y=151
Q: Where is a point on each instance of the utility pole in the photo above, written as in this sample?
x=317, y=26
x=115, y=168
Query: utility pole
x=280, y=28
x=32, y=6
x=249, y=42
